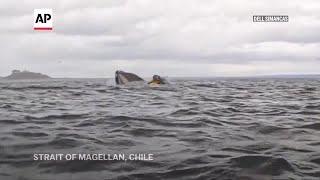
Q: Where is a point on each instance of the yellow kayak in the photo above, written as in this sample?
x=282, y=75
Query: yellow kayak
x=154, y=84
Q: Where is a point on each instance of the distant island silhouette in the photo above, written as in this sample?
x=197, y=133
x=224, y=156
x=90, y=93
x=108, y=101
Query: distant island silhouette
x=17, y=74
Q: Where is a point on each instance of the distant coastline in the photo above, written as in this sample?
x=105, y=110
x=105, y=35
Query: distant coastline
x=17, y=74
x=20, y=75
x=275, y=76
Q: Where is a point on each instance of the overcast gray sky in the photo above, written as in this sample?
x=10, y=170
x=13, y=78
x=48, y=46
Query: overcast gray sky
x=93, y=38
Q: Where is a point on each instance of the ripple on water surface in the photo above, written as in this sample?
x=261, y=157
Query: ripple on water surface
x=206, y=129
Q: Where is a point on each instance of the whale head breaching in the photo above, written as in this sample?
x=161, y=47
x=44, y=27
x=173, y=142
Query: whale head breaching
x=122, y=77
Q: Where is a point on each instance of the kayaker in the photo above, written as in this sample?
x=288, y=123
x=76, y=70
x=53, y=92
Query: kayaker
x=156, y=79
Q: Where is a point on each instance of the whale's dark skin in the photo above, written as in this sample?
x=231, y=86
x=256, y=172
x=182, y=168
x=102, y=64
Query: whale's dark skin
x=122, y=77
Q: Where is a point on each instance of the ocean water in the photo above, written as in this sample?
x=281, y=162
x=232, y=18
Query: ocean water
x=259, y=129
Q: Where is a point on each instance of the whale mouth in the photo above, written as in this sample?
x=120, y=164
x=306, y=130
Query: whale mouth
x=122, y=77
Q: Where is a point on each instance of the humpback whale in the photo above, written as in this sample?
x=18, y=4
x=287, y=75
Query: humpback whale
x=125, y=77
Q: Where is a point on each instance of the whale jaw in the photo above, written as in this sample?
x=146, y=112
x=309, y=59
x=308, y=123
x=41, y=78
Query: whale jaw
x=122, y=77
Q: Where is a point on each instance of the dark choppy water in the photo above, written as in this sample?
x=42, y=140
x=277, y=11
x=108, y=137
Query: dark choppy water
x=196, y=129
